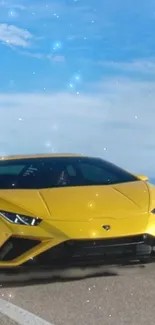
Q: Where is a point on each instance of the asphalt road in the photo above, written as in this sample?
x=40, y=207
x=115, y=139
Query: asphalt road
x=126, y=297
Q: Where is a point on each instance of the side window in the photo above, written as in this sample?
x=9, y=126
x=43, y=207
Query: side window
x=30, y=171
x=71, y=171
x=97, y=174
x=11, y=170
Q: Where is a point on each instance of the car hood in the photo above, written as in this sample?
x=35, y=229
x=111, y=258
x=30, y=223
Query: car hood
x=79, y=203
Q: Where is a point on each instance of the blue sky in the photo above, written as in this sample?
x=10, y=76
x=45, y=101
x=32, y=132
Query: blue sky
x=79, y=76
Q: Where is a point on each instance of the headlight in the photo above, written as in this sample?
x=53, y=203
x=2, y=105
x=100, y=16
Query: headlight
x=20, y=219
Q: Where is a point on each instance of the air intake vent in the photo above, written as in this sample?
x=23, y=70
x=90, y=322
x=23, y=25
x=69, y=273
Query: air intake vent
x=15, y=247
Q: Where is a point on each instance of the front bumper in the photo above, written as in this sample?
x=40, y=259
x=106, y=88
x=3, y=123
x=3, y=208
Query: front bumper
x=101, y=251
x=122, y=250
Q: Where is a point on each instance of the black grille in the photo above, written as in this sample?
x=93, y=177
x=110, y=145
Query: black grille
x=104, y=247
x=131, y=240
x=14, y=247
x=86, y=251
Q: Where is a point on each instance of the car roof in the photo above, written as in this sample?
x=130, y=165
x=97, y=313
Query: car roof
x=31, y=156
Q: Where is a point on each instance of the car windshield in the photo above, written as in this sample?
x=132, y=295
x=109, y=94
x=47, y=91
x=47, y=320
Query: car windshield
x=60, y=172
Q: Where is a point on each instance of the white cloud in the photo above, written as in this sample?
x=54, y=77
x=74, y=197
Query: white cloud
x=8, y=4
x=34, y=55
x=55, y=57
x=14, y=36
x=119, y=117
x=41, y=56
x=142, y=66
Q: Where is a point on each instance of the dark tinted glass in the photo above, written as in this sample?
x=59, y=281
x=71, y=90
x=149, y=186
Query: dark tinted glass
x=60, y=172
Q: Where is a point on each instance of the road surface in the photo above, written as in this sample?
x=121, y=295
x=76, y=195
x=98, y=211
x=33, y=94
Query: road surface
x=121, y=297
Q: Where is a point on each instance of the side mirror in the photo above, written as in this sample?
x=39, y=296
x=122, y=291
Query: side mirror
x=142, y=177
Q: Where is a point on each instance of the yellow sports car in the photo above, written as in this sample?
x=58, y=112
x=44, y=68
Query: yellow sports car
x=65, y=210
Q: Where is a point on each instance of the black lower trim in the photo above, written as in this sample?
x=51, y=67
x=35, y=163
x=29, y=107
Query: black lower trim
x=83, y=252
x=107, y=251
